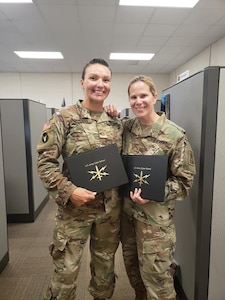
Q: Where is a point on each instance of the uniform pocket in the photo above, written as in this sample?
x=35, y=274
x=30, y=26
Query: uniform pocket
x=57, y=248
x=55, y=252
x=149, y=255
x=157, y=256
x=150, y=247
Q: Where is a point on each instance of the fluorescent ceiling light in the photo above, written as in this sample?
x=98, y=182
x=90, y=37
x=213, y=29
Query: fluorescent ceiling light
x=38, y=54
x=163, y=3
x=132, y=56
x=16, y=1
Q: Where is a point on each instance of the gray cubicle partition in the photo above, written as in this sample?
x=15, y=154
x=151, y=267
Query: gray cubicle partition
x=50, y=111
x=4, y=250
x=22, y=121
x=198, y=105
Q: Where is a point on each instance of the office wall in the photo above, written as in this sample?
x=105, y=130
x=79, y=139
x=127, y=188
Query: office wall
x=119, y=96
x=217, y=53
x=51, y=88
x=211, y=56
x=196, y=64
x=47, y=88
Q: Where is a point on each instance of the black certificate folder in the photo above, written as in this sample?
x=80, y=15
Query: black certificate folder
x=148, y=172
x=97, y=170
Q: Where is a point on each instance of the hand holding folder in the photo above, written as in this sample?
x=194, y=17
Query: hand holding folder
x=148, y=172
x=97, y=170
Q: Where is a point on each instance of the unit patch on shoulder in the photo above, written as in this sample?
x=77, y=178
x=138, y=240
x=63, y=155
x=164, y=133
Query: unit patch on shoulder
x=47, y=136
x=44, y=137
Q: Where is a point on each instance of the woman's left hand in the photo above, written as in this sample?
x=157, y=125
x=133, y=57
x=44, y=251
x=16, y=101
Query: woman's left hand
x=136, y=197
x=111, y=110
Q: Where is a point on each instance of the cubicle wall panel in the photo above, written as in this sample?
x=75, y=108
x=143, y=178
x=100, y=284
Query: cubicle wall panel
x=217, y=261
x=3, y=219
x=186, y=111
x=200, y=226
x=37, y=117
x=22, y=123
x=14, y=156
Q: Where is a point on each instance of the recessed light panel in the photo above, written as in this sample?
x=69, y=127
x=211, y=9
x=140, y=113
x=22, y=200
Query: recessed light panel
x=160, y=3
x=16, y=1
x=131, y=56
x=39, y=55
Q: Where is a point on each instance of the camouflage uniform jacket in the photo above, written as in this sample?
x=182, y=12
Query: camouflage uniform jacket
x=163, y=138
x=72, y=129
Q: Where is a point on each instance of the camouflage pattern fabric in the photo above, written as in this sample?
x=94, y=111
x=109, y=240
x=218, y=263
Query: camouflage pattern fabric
x=75, y=129
x=128, y=240
x=156, y=247
x=153, y=224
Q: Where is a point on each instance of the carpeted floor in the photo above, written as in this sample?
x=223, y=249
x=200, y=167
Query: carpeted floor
x=30, y=267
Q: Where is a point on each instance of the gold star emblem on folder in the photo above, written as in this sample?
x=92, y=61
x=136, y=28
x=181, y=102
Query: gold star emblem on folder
x=98, y=173
x=141, y=179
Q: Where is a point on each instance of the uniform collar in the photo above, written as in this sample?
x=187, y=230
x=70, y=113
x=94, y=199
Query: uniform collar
x=84, y=113
x=151, y=131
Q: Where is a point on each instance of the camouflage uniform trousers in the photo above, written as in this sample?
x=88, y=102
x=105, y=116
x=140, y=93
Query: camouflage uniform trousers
x=73, y=228
x=130, y=255
x=154, y=246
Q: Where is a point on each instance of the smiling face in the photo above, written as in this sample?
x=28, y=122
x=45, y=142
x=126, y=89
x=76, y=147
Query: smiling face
x=142, y=102
x=96, y=85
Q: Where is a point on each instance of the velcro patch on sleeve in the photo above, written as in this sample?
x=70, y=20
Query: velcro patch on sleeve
x=47, y=126
x=191, y=159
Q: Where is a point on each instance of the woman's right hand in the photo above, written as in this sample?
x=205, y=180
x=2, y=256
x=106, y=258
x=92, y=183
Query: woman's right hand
x=80, y=196
x=136, y=197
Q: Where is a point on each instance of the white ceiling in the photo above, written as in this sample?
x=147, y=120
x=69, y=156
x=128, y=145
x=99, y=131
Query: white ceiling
x=84, y=29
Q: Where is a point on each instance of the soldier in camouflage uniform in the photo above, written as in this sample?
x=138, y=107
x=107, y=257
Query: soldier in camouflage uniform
x=147, y=228
x=81, y=213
